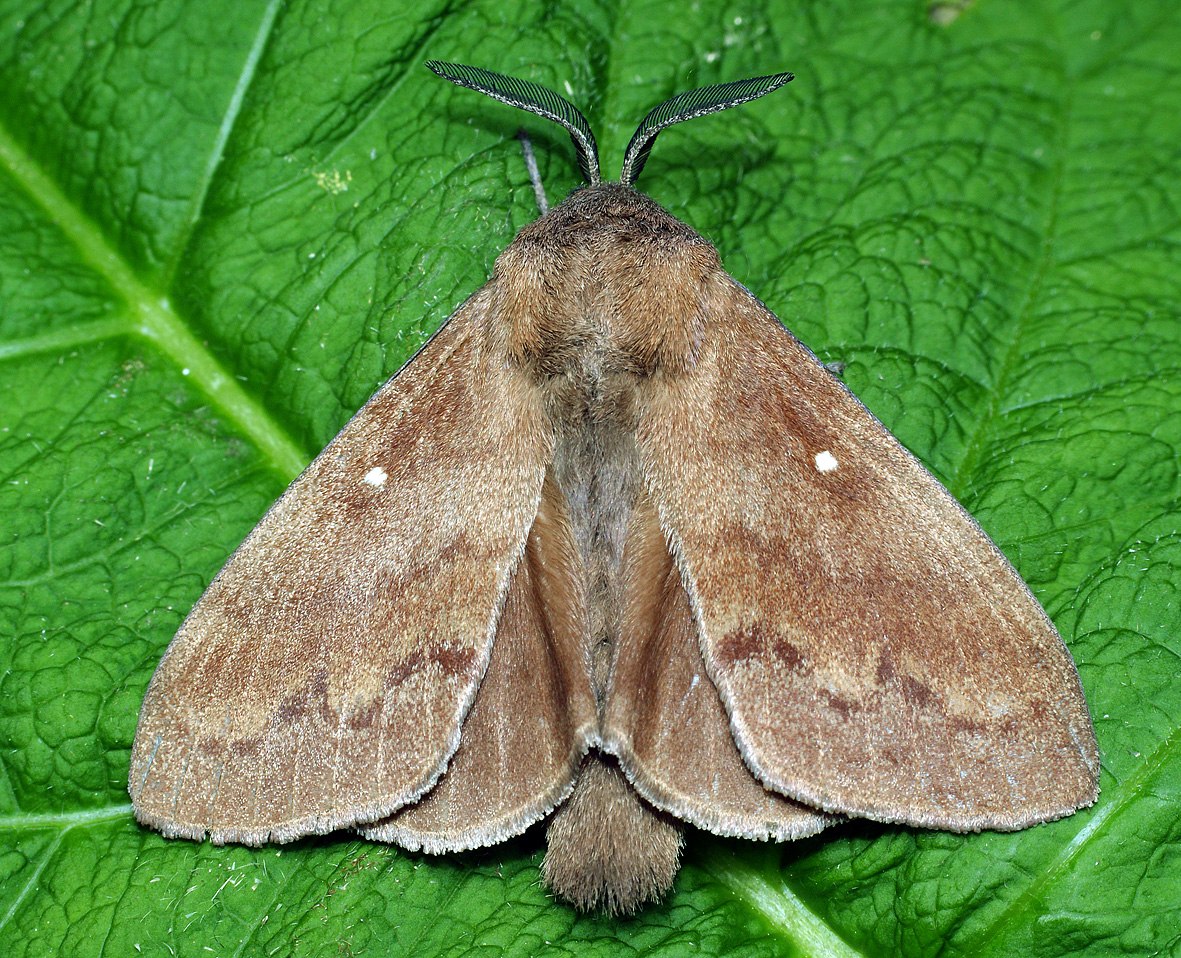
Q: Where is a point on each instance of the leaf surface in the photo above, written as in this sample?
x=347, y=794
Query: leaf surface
x=223, y=225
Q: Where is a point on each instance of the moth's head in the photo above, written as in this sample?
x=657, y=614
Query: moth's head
x=545, y=102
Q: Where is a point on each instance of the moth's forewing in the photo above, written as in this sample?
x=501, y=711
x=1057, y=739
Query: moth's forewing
x=321, y=679
x=877, y=654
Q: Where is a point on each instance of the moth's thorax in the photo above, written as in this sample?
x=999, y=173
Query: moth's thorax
x=607, y=283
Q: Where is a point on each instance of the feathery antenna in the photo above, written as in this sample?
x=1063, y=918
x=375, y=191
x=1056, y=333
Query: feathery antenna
x=544, y=102
x=533, y=98
x=689, y=106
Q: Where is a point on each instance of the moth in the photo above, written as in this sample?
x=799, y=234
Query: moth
x=613, y=551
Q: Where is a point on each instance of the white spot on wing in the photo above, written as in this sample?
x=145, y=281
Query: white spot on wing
x=825, y=461
x=376, y=477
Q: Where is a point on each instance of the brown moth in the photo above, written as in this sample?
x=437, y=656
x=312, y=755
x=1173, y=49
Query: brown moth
x=613, y=550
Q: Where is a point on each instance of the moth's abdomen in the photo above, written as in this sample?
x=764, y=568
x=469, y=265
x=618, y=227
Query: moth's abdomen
x=607, y=848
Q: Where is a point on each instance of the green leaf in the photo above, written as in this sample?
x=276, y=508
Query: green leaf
x=223, y=224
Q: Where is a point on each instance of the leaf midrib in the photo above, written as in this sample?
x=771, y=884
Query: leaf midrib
x=149, y=315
